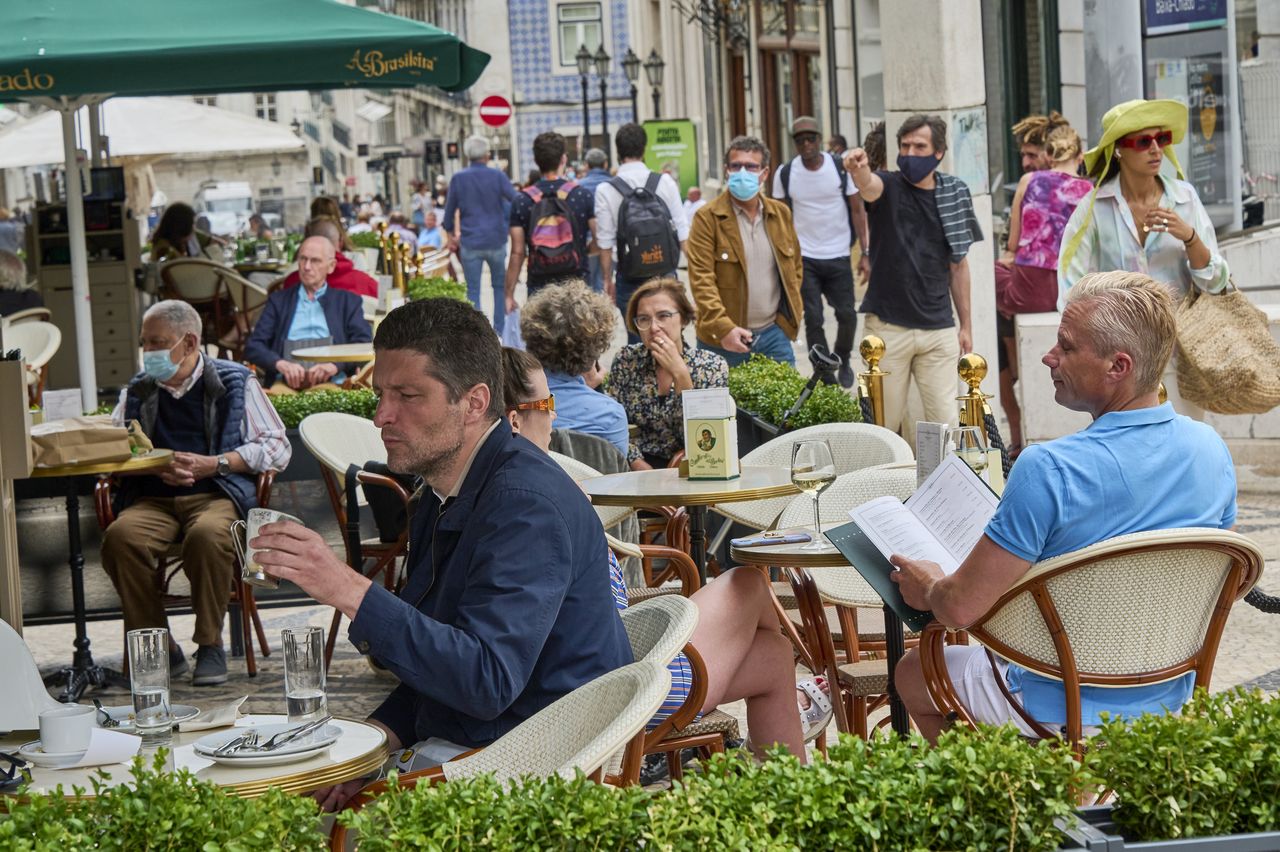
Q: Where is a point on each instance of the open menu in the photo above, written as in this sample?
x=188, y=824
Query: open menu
x=940, y=522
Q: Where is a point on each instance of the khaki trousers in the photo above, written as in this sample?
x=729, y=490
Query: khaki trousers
x=145, y=531
x=929, y=357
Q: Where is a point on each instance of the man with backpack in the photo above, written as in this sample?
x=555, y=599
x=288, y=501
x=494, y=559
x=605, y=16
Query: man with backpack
x=551, y=221
x=828, y=219
x=639, y=216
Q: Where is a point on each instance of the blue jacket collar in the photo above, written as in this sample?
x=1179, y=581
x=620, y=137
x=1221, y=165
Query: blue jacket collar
x=454, y=516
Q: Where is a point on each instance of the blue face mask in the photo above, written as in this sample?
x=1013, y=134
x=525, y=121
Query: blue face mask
x=916, y=169
x=743, y=185
x=158, y=365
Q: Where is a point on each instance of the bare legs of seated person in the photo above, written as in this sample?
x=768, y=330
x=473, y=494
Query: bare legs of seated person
x=748, y=658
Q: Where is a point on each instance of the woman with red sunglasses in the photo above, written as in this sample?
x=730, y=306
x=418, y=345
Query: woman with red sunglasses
x=1139, y=219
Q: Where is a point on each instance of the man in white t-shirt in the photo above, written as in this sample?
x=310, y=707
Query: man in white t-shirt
x=821, y=196
x=631, y=141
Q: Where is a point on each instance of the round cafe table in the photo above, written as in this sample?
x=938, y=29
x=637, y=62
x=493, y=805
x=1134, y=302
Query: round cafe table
x=83, y=672
x=350, y=352
x=360, y=750
x=665, y=487
x=848, y=591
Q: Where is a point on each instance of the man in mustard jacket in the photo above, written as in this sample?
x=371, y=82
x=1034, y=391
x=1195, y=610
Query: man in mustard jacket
x=744, y=264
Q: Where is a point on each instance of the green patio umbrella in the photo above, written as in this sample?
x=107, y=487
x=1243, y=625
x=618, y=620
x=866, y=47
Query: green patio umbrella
x=66, y=54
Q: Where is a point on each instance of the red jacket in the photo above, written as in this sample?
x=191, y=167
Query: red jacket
x=344, y=277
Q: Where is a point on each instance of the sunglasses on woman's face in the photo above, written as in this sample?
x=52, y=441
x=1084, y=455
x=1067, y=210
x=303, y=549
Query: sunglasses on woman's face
x=1143, y=142
x=548, y=404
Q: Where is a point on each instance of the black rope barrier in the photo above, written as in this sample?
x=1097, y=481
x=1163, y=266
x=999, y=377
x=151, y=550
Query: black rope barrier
x=1262, y=601
x=996, y=442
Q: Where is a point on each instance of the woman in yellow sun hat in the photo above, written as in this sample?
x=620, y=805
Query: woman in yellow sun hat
x=1140, y=220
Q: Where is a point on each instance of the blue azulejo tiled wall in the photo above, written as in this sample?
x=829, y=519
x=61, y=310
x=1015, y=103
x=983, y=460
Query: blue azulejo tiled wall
x=532, y=62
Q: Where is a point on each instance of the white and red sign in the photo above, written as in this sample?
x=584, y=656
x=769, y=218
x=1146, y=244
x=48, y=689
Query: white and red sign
x=495, y=110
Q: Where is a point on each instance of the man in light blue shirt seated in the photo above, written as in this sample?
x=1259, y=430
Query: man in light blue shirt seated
x=432, y=235
x=1137, y=467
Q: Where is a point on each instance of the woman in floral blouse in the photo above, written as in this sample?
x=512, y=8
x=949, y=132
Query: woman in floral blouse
x=648, y=377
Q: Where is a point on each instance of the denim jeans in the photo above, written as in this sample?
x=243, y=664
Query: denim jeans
x=473, y=261
x=770, y=341
x=595, y=277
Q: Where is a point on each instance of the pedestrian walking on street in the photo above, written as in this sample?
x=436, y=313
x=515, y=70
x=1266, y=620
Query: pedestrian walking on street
x=552, y=222
x=475, y=218
x=744, y=264
x=828, y=221
x=597, y=173
x=640, y=218
x=1032, y=134
x=922, y=224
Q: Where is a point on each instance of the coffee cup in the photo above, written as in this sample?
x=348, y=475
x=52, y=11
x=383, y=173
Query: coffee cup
x=67, y=729
x=250, y=571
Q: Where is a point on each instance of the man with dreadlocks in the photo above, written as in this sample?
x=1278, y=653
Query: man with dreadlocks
x=1032, y=134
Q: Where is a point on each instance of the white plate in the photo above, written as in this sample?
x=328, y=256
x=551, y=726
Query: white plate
x=310, y=746
x=123, y=714
x=34, y=752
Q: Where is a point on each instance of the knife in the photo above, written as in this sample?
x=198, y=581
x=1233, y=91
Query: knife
x=285, y=737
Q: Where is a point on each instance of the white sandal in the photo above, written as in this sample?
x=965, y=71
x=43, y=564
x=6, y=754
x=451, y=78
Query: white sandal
x=815, y=718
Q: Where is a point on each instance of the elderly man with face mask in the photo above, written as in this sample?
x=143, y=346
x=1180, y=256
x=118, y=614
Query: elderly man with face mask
x=215, y=417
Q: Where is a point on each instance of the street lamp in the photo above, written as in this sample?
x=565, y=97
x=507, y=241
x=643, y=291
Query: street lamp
x=296, y=126
x=653, y=70
x=631, y=65
x=602, y=68
x=583, y=58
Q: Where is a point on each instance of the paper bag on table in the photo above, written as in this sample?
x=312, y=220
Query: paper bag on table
x=79, y=440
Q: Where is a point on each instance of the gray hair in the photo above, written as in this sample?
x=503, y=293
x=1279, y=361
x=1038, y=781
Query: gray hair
x=596, y=158
x=475, y=147
x=747, y=143
x=178, y=315
x=1128, y=312
x=13, y=272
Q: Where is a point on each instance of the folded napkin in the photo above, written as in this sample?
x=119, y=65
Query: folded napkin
x=220, y=716
x=106, y=747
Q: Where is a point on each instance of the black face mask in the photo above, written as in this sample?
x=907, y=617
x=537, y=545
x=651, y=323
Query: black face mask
x=916, y=169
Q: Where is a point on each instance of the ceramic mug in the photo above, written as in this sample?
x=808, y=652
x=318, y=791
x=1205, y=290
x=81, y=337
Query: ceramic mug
x=67, y=729
x=250, y=571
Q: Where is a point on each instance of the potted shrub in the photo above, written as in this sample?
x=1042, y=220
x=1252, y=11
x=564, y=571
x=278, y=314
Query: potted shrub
x=368, y=244
x=765, y=390
x=1206, y=778
x=437, y=286
x=292, y=408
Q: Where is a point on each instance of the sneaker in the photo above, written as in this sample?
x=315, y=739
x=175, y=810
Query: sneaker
x=846, y=375
x=211, y=666
x=178, y=665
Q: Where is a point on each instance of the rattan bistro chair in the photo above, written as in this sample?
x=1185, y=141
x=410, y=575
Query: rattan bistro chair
x=1135, y=609
x=578, y=732
x=39, y=342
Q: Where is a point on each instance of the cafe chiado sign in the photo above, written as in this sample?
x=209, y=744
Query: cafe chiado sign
x=25, y=81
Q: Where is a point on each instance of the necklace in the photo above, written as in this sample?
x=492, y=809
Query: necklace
x=1145, y=204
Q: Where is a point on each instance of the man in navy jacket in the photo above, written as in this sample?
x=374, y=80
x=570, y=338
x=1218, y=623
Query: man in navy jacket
x=507, y=605
x=314, y=314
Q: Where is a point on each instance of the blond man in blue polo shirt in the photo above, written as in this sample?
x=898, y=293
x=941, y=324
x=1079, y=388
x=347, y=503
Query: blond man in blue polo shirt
x=1137, y=467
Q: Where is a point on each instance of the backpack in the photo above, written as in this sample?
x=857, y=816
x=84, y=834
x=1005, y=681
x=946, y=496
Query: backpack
x=647, y=242
x=785, y=176
x=553, y=249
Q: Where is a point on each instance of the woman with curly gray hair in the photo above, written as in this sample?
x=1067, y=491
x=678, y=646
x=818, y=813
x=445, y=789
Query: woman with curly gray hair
x=567, y=327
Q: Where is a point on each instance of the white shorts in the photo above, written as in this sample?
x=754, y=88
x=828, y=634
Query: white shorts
x=979, y=691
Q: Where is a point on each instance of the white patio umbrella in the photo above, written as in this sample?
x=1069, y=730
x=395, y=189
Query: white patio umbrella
x=139, y=127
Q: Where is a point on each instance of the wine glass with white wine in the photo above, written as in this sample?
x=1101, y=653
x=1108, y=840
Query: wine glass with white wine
x=812, y=471
x=970, y=445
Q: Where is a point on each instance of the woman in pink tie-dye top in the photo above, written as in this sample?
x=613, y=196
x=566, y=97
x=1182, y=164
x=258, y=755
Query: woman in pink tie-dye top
x=1027, y=273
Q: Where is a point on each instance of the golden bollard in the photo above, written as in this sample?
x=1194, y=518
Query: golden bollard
x=391, y=257
x=406, y=262
x=381, y=228
x=420, y=262
x=973, y=369
x=871, y=381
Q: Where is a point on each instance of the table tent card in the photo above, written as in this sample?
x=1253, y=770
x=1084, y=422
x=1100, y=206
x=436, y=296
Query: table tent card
x=929, y=448
x=711, y=434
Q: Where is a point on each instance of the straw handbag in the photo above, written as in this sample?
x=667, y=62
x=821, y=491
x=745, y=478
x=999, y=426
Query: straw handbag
x=1227, y=360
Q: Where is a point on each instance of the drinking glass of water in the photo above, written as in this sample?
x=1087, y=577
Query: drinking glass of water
x=149, y=682
x=303, y=673
x=812, y=471
x=970, y=445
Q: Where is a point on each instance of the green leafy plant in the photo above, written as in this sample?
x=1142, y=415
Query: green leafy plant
x=435, y=287
x=1211, y=769
x=366, y=239
x=292, y=408
x=975, y=790
x=768, y=388
x=161, y=810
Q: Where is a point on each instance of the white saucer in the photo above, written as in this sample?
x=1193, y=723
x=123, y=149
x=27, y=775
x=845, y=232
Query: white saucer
x=123, y=714
x=309, y=746
x=34, y=752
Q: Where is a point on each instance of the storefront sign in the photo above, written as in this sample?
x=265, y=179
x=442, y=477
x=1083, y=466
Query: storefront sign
x=1161, y=17
x=673, y=148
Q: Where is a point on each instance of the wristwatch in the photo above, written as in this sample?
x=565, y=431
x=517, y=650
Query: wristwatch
x=224, y=466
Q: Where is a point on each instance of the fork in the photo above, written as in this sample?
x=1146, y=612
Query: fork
x=287, y=736
x=249, y=739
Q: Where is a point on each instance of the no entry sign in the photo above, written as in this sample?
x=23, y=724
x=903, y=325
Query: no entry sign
x=495, y=110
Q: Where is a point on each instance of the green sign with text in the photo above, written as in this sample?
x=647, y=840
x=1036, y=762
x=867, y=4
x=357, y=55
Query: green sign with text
x=673, y=148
